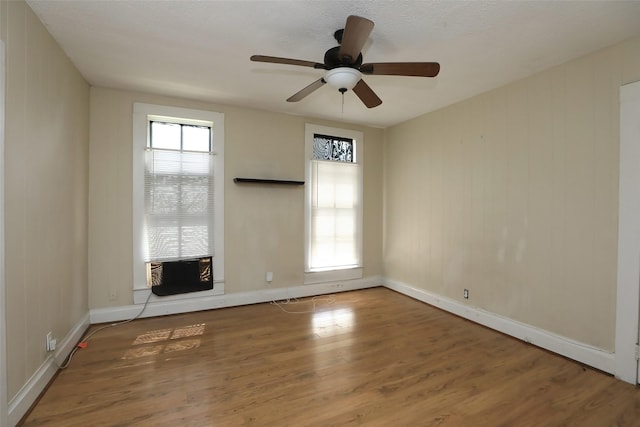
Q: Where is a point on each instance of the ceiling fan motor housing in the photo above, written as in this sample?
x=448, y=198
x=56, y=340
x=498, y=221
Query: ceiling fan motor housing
x=331, y=60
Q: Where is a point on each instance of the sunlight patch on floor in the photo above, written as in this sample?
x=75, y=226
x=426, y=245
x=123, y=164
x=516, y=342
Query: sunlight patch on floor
x=332, y=322
x=141, y=345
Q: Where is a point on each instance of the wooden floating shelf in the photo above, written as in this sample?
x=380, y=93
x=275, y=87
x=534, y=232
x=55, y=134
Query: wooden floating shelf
x=266, y=181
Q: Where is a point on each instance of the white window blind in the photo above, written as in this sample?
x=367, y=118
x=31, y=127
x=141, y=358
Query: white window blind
x=334, y=234
x=179, y=204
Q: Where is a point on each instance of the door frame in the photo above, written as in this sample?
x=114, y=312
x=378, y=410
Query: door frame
x=628, y=286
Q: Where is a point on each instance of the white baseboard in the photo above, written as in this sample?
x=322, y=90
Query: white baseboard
x=22, y=401
x=160, y=307
x=583, y=353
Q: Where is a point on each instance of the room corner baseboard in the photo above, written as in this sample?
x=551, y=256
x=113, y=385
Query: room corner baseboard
x=563, y=346
x=161, y=307
x=29, y=393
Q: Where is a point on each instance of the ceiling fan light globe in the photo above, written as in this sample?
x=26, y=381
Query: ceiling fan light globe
x=343, y=78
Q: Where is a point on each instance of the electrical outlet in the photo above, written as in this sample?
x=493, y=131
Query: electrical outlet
x=465, y=294
x=269, y=276
x=50, y=344
x=113, y=294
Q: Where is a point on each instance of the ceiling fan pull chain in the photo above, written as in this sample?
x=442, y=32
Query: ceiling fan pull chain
x=343, y=103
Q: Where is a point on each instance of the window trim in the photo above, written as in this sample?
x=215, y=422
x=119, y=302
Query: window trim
x=142, y=114
x=311, y=277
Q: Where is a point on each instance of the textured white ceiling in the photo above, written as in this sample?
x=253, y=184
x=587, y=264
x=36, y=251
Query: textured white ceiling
x=201, y=49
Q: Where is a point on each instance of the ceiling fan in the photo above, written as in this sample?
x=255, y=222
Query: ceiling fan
x=345, y=68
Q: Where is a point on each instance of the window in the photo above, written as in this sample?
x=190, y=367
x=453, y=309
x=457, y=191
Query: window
x=178, y=186
x=333, y=204
x=178, y=192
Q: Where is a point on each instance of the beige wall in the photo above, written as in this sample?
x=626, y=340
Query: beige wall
x=264, y=225
x=3, y=342
x=46, y=183
x=513, y=195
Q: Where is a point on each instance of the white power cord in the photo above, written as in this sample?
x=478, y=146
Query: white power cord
x=330, y=299
x=84, y=339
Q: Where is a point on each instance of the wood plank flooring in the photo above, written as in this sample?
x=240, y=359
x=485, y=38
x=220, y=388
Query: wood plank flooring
x=371, y=357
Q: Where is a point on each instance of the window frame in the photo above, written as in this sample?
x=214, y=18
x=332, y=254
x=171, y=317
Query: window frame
x=349, y=273
x=143, y=114
x=204, y=124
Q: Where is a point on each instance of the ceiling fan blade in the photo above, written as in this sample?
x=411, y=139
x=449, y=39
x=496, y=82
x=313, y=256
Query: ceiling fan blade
x=366, y=94
x=356, y=33
x=288, y=61
x=307, y=90
x=418, y=69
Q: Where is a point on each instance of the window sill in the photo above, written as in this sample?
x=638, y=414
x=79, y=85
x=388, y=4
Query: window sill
x=332, y=275
x=140, y=295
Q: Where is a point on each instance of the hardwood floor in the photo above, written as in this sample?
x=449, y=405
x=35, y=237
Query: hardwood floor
x=371, y=357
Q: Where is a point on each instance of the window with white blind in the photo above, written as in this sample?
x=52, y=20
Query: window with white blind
x=178, y=190
x=333, y=204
